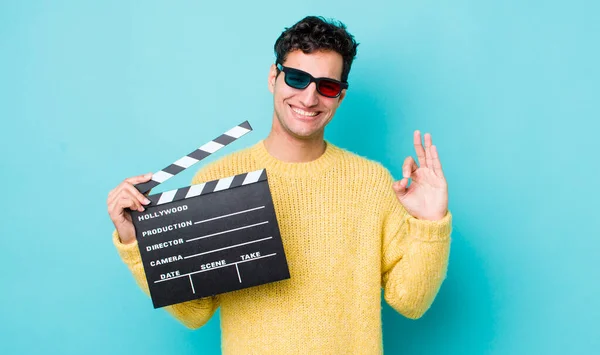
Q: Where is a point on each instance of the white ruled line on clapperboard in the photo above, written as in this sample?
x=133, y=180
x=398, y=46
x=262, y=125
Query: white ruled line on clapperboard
x=225, y=233
x=200, y=189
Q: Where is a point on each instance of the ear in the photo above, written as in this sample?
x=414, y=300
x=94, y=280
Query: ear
x=272, y=78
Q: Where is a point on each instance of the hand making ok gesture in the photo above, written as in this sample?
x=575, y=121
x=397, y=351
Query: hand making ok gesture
x=427, y=196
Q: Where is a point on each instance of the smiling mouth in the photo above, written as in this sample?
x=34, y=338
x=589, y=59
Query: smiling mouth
x=304, y=114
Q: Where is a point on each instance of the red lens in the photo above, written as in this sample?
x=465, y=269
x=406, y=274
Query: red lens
x=329, y=88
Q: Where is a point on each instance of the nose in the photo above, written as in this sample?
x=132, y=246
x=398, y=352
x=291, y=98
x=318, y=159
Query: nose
x=309, y=96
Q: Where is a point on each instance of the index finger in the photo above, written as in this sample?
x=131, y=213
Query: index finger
x=419, y=148
x=140, y=178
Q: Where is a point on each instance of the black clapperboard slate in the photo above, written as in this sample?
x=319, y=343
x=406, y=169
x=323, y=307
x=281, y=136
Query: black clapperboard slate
x=210, y=238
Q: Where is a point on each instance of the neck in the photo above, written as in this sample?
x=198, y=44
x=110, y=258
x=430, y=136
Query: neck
x=285, y=147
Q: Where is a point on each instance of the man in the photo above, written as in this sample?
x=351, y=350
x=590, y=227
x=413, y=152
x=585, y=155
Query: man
x=348, y=230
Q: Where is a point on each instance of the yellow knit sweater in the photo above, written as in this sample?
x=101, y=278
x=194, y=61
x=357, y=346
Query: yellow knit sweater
x=346, y=237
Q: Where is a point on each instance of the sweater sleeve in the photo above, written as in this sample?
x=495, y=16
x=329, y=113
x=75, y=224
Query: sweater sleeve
x=415, y=257
x=193, y=314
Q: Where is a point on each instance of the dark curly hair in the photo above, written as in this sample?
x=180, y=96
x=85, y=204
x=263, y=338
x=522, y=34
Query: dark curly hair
x=314, y=33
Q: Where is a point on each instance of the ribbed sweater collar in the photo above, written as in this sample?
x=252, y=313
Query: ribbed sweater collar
x=312, y=168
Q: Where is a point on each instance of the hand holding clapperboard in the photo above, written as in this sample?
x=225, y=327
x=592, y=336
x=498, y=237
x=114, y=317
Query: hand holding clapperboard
x=209, y=238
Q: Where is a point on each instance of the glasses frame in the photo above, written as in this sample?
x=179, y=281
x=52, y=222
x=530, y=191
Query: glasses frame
x=312, y=79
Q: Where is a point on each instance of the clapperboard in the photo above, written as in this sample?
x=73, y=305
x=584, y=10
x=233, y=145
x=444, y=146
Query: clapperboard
x=210, y=238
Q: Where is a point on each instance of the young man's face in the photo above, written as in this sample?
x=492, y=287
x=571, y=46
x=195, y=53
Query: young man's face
x=304, y=113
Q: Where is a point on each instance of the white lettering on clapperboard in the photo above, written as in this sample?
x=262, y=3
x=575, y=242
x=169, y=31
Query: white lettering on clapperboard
x=166, y=244
x=250, y=256
x=168, y=228
x=162, y=212
x=163, y=261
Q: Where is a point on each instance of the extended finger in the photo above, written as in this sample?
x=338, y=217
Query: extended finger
x=428, y=157
x=409, y=167
x=419, y=148
x=131, y=180
x=437, y=164
x=138, y=179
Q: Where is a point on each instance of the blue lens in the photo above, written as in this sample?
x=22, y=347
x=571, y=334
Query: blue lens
x=297, y=80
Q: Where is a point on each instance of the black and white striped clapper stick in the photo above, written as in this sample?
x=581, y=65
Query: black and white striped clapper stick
x=185, y=162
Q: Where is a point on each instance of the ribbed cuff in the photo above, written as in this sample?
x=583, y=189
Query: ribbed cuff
x=129, y=253
x=430, y=231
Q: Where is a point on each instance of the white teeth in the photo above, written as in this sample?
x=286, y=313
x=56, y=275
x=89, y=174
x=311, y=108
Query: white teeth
x=304, y=113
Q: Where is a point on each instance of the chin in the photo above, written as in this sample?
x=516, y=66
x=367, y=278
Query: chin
x=303, y=130
x=305, y=135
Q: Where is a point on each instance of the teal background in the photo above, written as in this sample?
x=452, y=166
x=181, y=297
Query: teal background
x=93, y=92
